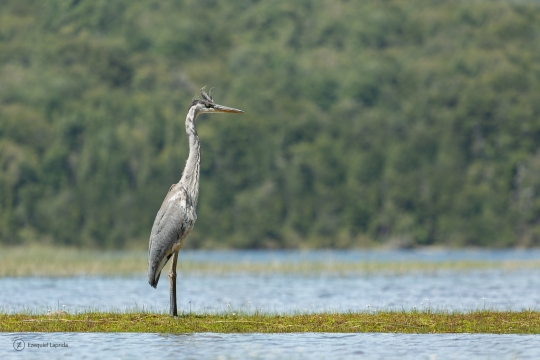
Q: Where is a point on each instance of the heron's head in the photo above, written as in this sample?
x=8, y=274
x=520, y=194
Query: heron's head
x=207, y=105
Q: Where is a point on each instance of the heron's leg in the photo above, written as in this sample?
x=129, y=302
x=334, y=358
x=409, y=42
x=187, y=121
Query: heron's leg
x=172, y=282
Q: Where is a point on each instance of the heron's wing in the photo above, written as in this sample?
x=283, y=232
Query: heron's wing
x=171, y=223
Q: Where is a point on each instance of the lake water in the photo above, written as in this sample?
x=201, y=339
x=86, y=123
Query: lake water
x=270, y=346
x=287, y=293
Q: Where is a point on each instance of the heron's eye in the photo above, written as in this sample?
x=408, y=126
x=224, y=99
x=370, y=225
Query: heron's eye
x=208, y=106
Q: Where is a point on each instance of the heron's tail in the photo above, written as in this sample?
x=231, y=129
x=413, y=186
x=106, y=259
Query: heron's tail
x=153, y=280
x=154, y=271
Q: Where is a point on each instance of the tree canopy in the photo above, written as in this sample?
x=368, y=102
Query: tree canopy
x=374, y=122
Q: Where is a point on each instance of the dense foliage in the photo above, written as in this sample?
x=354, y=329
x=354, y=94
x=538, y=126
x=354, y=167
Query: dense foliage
x=404, y=122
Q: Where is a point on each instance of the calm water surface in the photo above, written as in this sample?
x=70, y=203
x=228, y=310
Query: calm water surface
x=271, y=346
x=288, y=293
x=456, y=291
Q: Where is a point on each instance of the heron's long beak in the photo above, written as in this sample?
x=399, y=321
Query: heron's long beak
x=225, y=109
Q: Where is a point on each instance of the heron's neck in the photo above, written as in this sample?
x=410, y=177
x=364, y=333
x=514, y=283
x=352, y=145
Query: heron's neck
x=190, y=176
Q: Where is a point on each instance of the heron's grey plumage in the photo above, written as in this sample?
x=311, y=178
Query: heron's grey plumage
x=176, y=216
x=173, y=223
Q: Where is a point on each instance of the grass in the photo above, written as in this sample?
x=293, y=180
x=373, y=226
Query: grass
x=494, y=322
x=46, y=261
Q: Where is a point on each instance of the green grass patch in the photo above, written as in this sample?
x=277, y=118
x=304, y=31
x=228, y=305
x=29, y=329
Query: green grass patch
x=46, y=261
x=494, y=322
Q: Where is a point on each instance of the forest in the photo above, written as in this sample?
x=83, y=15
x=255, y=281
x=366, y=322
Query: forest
x=372, y=123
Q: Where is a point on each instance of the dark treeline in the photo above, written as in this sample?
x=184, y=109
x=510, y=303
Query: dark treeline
x=372, y=122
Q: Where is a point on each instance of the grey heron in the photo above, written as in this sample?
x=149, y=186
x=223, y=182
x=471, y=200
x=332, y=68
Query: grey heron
x=176, y=217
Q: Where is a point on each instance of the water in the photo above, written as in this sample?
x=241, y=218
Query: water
x=427, y=255
x=453, y=291
x=272, y=346
x=292, y=293
x=286, y=293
